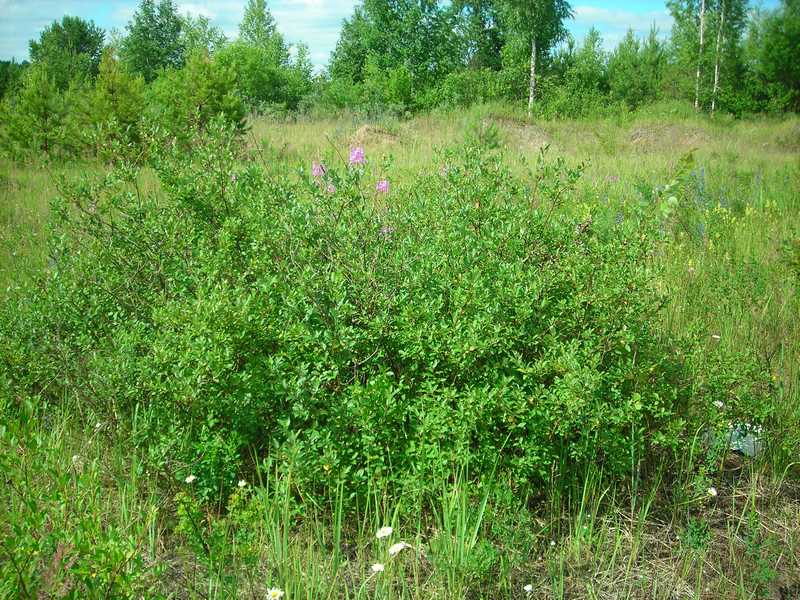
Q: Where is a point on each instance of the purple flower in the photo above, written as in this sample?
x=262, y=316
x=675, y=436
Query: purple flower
x=382, y=187
x=357, y=156
x=331, y=188
x=317, y=169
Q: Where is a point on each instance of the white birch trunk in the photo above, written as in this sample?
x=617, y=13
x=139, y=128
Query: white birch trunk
x=700, y=54
x=532, y=84
x=720, y=38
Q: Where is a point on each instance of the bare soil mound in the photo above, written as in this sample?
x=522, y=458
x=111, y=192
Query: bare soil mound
x=648, y=138
x=372, y=134
x=527, y=138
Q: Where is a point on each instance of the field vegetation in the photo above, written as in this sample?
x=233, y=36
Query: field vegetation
x=257, y=343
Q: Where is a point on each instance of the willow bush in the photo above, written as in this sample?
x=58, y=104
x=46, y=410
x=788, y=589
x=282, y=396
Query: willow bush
x=367, y=333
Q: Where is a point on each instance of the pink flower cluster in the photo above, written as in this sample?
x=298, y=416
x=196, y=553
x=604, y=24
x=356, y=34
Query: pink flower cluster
x=357, y=156
x=318, y=171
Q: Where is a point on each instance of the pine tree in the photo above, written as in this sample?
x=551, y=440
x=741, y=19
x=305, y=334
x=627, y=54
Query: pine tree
x=33, y=117
x=117, y=102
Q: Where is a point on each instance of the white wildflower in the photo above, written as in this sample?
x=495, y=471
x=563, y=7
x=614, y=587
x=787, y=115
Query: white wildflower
x=384, y=532
x=242, y=483
x=719, y=404
x=377, y=568
x=274, y=594
x=190, y=479
x=528, y=588
x=398, y=547
x=712, y=491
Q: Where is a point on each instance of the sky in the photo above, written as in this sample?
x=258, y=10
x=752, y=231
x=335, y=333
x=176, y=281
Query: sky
x=315, y=22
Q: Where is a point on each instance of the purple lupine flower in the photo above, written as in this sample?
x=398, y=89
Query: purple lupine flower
x=382, y=187
x=331, y=188
x=357, y=156
x=317, y=169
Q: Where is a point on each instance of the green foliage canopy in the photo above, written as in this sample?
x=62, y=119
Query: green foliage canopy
x=70, y=50
x=153, y=41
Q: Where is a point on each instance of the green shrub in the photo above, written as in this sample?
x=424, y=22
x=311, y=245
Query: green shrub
x=362, y=337
x=463, y=88
x=571, y=99
x=60, y=535
x=262, y=77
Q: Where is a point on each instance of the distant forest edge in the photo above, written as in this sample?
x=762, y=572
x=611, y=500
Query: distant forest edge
x=392, y=56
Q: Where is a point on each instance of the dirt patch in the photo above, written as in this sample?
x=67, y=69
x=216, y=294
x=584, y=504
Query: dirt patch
x=372, y=134
x=789, y=140
x=526, y=138
x=673, y=137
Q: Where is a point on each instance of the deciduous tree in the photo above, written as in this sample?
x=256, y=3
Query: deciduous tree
x=198, y=33
x=154, y=40
x=69, y=50
x=258, y=29
x=541, y=24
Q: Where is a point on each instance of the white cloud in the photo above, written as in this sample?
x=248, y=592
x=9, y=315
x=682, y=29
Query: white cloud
x=196, y=9
x=123, y=13
x=614, y=23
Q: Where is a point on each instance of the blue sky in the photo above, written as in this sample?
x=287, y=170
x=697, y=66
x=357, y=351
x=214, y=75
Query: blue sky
x=315, y=22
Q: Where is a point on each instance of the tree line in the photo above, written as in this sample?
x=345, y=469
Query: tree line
x=394, y=56
x=720, y=55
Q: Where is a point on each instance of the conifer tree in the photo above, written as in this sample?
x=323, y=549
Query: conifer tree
x=118, y=99
x=33, y=117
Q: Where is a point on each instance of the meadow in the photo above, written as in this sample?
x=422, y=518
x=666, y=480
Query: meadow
x=218, y=381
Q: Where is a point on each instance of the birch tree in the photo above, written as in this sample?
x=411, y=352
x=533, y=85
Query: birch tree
x=693, y=57
x=731, y=21
x=258, y=29
x=541, y=23
x=700, y=54
x=717, y=54
x=154, y=39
